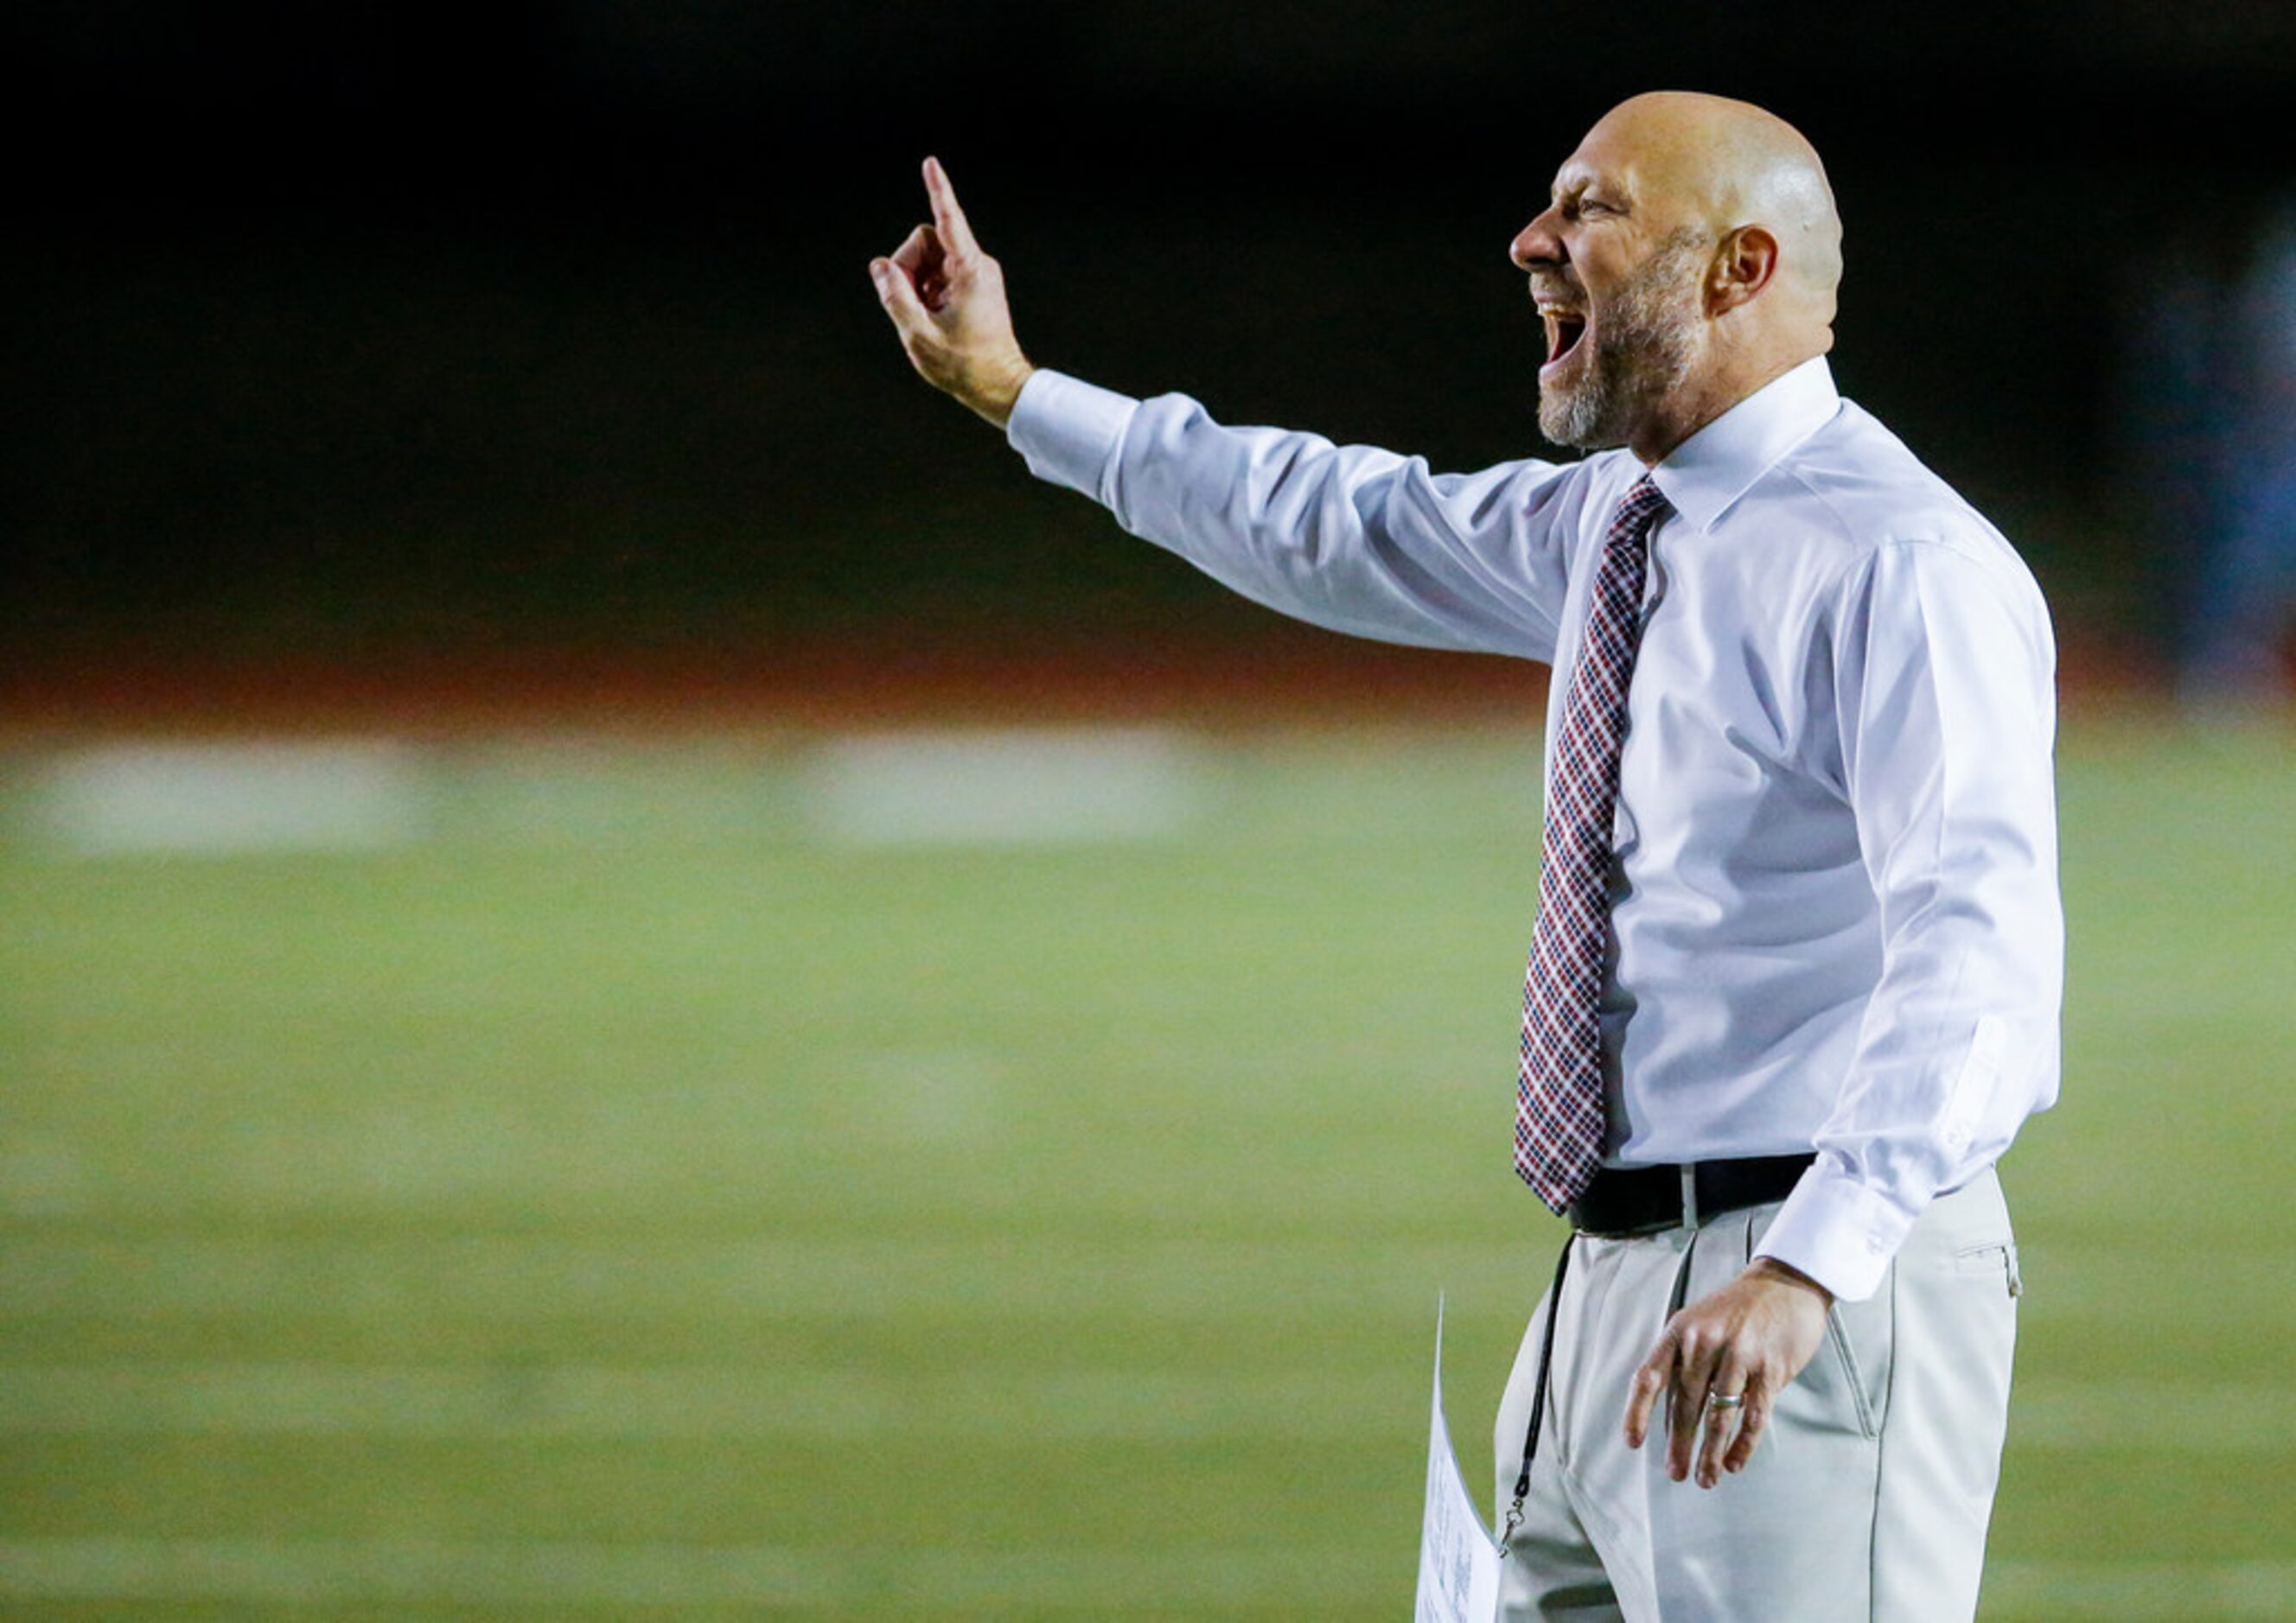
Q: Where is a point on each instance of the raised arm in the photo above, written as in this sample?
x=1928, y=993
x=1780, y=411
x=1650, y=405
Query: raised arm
x=1354, y=539
x=1351, y=537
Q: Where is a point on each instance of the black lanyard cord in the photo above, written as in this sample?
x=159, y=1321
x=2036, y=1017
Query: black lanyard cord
x=1539, y=1390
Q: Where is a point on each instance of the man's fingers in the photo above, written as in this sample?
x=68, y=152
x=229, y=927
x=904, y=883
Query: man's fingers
x=924, y=258
x=1682, y=1428
x=1751, y=1423
x=898, y=295
x=1649, y=1382
x=948, y=216
x=1693, y=1378
x=919, y=251
x=1725, y=1413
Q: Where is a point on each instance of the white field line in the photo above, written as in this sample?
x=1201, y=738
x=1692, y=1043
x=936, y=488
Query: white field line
x=1016, y=787
x=353, y=794
x=496, y=1278
x=878, y=1576
x=884, y=1574
x=1021, y=787
x=587, y=1402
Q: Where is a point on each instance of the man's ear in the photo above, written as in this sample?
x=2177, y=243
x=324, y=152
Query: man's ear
x=1743, y=266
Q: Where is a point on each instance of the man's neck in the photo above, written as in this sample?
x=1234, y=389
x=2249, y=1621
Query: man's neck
x=1692, y=407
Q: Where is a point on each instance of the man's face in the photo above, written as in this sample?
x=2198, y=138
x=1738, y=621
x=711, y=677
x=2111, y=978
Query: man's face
x=1620, y=297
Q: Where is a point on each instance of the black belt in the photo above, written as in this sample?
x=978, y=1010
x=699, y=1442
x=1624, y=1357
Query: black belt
x=1624, y=1201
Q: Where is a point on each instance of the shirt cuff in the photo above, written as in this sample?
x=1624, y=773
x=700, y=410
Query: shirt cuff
x=1840, y=1232
x=1068, y=429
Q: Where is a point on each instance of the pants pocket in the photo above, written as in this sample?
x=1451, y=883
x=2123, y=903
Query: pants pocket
x=1838, y=1345
x=1845, y=1385
x=1997, y=1258
x=1844, y=1388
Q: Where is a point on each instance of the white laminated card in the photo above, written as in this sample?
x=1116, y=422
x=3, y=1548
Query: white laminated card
x=1458, y=1558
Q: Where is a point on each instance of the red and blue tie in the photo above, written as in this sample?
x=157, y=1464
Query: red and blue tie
x=1559, y=1117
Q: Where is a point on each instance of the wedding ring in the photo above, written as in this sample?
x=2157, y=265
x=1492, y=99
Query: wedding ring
x=1724, y=1400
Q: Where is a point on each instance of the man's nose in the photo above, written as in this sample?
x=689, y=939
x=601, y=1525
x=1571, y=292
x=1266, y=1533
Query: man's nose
x=1536, y=244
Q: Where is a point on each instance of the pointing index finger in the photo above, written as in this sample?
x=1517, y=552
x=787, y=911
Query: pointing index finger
x=948, y=217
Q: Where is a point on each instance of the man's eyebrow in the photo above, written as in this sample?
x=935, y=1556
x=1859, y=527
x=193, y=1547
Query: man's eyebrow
x=1578, y=182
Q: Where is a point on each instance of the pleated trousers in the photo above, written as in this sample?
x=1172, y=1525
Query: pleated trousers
x=1867, y=1498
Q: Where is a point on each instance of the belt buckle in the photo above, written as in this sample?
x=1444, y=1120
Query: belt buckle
x=1690, y=1194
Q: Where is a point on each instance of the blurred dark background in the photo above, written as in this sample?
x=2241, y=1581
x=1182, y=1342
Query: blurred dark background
x=398, y=327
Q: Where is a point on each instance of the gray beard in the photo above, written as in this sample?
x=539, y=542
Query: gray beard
x=1642, y=352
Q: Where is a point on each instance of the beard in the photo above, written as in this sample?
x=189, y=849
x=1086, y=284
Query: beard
x=1641, y=351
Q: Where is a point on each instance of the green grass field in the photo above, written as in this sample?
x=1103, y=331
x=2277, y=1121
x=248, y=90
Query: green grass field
x=630, y=1196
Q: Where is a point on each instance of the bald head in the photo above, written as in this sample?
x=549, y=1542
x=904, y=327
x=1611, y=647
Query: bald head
x=1689, y=256
x=1720, y=165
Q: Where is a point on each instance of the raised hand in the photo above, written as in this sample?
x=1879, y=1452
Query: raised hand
x=946, y=301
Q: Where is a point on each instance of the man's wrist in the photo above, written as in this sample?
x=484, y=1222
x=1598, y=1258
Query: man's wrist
x=994, y=400
x=1771, y=1268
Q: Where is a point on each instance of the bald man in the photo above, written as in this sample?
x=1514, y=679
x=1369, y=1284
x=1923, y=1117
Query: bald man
x=1797, y=960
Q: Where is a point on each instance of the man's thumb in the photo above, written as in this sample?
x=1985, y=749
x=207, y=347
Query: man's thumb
x=899, y=297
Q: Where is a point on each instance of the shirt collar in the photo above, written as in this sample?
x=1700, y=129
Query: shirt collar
x=1703, y=475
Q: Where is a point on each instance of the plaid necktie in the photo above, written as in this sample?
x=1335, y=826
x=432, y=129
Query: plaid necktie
x=1558, y=1119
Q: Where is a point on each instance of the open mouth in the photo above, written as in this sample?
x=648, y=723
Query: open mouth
x=1564, y=329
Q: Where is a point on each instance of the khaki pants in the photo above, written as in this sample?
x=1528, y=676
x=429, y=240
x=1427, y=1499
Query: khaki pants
x=1867, y=1499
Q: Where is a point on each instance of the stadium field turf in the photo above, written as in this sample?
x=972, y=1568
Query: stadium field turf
x=592, y=1178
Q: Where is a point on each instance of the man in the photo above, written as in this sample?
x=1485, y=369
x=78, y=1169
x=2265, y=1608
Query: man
x=1796, y=961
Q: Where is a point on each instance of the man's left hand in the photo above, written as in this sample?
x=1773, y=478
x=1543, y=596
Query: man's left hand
x=1749, y=1338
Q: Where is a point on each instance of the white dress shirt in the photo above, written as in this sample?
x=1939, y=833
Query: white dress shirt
x=1835, y=916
